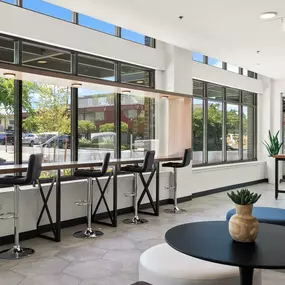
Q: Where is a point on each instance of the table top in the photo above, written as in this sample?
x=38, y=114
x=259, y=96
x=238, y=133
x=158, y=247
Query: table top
x=279, y=156
x=14, y=168
x=211, y=241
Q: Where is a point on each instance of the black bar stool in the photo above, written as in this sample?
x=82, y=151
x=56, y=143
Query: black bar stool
x=135, y=169
x=32, y=176
x=90, y=174
x=188, y=154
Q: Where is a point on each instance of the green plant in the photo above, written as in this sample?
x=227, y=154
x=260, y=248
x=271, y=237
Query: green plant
x=244, y=197
x=274, y=145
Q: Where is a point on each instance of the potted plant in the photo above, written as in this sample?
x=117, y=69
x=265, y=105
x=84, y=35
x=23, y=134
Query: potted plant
x=243, y=227
x=273, y=147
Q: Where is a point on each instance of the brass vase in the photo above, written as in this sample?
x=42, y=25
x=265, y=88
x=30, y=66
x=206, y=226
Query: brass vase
x=243, y=227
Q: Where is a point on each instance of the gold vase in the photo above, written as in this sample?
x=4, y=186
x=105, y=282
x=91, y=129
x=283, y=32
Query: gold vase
x=243, y=227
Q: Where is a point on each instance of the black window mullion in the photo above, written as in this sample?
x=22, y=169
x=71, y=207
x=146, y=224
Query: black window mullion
x=240, y=143
x=74, y=124
x=205, y=125
x=224, y=127
x=118, y=125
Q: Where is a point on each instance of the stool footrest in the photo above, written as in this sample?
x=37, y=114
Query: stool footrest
x=170, y=187
x=7, y=216
x=129, y=194
x=82, y=203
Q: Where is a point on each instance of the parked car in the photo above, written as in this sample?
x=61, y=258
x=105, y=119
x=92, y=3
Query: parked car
x=58, y=141
x=30, y=139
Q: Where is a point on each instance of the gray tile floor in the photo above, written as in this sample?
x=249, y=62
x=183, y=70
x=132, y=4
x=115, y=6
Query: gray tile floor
x=113, y=258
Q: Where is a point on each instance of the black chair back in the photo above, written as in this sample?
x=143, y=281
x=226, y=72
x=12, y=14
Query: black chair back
x=188, y=155
x=105, y=163
x=34, y=168
x=148, y=161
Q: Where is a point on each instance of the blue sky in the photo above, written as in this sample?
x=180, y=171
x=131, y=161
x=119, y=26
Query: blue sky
x=64, y=14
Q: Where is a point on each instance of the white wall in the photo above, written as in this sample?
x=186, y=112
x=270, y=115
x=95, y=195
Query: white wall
x=34, y=26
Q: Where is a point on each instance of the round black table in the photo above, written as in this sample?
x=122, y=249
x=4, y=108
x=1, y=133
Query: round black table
x=211, y=241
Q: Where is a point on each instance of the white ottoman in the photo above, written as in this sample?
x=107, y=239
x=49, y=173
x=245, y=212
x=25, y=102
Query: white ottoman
x=162, y=265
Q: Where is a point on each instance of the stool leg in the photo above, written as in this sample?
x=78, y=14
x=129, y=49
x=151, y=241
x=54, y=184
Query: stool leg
x=17, y=252
x=89, y=232
x=135, y=220
x=175, y=209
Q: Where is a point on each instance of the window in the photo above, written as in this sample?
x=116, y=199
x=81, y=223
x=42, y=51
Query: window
x=9, y=1
x=48, y=9
x=223, y=124
x=133, y=36
x=198, y=57
x=96, y=24
x=96, y=125
x=6, y=50
x=251, y=74
x=45, y=57
x=232, y=68
x=96, y=67
x=135, y=75
x=138, y=126
x=215, y=62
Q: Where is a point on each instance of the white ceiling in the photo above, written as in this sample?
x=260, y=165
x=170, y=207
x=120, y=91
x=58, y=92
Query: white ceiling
x=230, y=30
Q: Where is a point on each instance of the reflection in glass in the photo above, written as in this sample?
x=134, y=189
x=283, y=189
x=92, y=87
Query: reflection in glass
x=138, y=126
x=196, y=56
x=232, y=95
x=48, y=9
x=133, y=36
x=215, y=91
x=215, y=62
x=96, y=24
x=248, y=132
x=232, y=129
x=198, y=88
x=214, y=128
x=45, y=57
x=96, y=67
x=6, y=50
x=96, y=128
x=9, y=1
x=197, y=125
x=135, y=75
x=248, y=98
x=232, y=68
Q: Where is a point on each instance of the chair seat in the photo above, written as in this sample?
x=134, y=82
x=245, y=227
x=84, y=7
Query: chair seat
x=132, y=168
x=163, y=265
x=13, y=180
x=88, y=173
x=266, y=215
x=173, y=164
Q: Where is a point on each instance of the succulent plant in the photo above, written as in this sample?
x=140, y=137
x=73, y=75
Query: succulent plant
x=274, y=145
x=244, y=197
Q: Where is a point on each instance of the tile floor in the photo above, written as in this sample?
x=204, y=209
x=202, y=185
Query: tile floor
x=113, y=258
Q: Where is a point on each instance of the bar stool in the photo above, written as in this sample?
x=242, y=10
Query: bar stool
x=90, y=174
x=32, y=176
x=135, y=169
x=188, y=154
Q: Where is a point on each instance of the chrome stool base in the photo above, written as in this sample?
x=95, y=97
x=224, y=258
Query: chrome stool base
x=175, y=210
x=14, y=254
x=89, y=233
x=135, y=221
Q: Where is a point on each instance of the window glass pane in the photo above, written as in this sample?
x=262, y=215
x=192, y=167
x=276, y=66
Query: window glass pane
x=48, y=9
x=250, y=74
x=215, y=91
x=248, y=98
x=245, y=72
x=149, y=41
x=96, y=67
x=46, y=124
x=232, y=95
x=96, y=24
x=232, y=128
x=198, y=57
x=198, y=131
x=215, y=117
x=96, y=128
x=134, y=75
x=7, y=120
x=248, y=133
x=215, y=62
x=45, y=57
x=6, y=50
x=198, y=88
x=9, y=1
x=132, y=36
x=232, y=68
x=138, y=126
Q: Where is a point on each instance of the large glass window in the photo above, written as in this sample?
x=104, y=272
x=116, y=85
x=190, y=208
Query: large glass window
x=48, y=9
x=133, y=36
x=135, y=75
x=45, y=57
x=196, y=56
x=6, y=50
x=138, y=126
x=215, y=62
x=96, y=24
x=96, y=124
x=96, y=67
x=229, y=129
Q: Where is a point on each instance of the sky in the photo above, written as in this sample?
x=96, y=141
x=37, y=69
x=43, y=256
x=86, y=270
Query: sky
x=65, y=14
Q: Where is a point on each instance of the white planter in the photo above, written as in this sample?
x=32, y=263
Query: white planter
x=271, y=170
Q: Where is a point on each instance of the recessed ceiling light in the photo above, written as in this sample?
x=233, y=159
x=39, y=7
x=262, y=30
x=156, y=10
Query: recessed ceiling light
x=126, y=91
x=9, y=75
x=76, y=85
x=140, y=81
x=42, y=61
x=268, y=15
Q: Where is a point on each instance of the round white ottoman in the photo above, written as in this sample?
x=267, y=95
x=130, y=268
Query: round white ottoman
x=162, y=265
